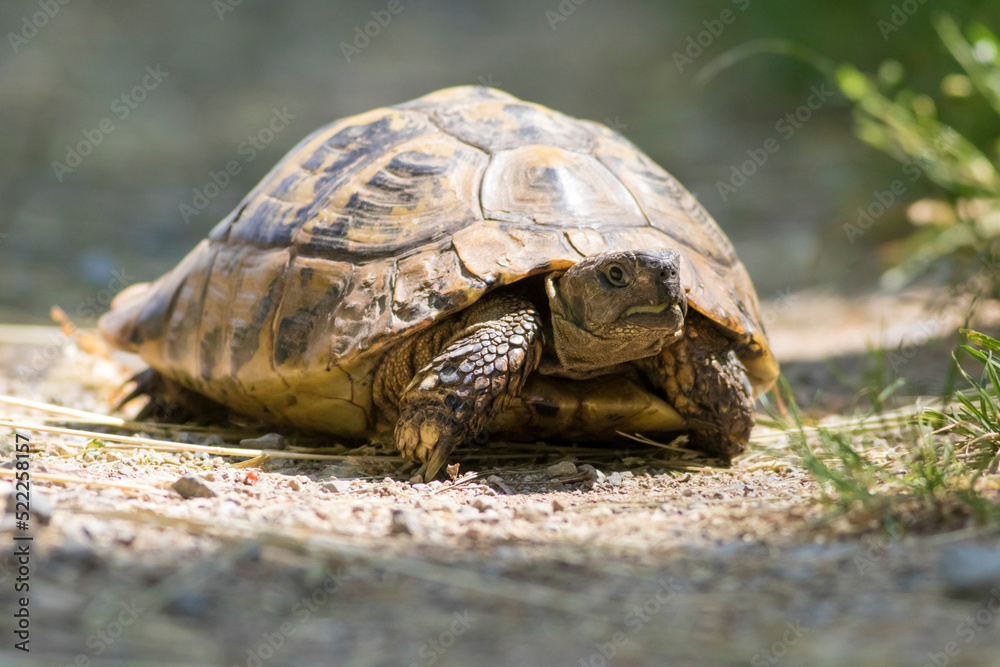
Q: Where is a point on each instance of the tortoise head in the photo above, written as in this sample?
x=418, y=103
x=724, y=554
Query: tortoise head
x=615, y=307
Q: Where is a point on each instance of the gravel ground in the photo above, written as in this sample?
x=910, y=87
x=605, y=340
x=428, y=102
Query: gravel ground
x=304, y=563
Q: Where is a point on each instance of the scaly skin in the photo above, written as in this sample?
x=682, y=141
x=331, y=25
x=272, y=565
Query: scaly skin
x=492, y=348
x=704, y=380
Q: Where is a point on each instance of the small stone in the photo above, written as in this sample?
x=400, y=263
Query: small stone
x=490, y=516
x=402, y=523
x=594, y=473
x=483, y=504
x=533, y=510
x=561, y=469
x=557, y=506
x=269, y=441
x=493, y=479
x=615, y=479
x=336, y=486
x=111, y=457
x=419, y=486
x=193, y=486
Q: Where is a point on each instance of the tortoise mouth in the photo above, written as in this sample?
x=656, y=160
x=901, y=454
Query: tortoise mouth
x=668, y=316
x=645, y=309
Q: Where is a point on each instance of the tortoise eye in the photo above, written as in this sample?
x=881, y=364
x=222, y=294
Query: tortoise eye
x=616, y=275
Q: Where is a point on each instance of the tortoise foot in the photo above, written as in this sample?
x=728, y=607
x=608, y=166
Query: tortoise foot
x=171, y=403
x=469, y=382
x=707, y=384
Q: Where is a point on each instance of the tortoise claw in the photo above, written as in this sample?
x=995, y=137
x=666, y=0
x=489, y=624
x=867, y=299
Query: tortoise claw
x=429, y=437
x=437, y=459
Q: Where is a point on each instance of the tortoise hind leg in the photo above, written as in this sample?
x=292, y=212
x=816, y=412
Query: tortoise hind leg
x=708, y=385
x=475, y=372
x=171, y=403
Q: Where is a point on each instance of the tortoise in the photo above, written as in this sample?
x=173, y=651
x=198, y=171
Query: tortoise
x=460, y=264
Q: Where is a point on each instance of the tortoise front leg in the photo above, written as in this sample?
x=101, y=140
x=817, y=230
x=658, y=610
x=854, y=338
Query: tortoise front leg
x=704, y=380
x=497, y=343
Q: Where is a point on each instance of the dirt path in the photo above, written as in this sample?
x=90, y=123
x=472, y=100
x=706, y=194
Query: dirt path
x=294, y=564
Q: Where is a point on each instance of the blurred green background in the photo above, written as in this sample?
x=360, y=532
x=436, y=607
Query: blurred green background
x=72, y=236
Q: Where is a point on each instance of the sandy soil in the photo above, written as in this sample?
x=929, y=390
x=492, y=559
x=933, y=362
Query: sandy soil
x=307, y=563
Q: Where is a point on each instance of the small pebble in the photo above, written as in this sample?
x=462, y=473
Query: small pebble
x=269, y=441
x=483, y=504
x=561, y=469
x=193, y=486
x=594, y=473
x=534, y=510
x=336, y=486
x=402, y=523
x=615, y=479
x=497, y=481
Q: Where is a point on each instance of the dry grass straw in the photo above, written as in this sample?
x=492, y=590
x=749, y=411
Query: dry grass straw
x=56, y=478
x=132, y=442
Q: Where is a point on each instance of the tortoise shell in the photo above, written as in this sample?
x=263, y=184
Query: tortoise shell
x=378, y=225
